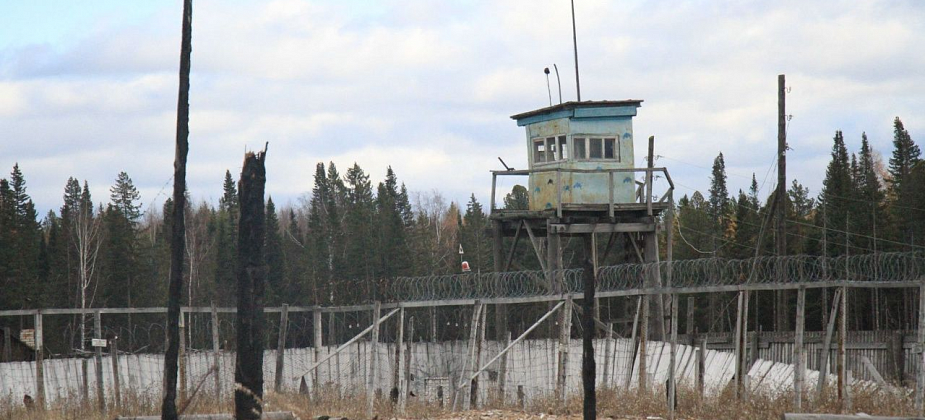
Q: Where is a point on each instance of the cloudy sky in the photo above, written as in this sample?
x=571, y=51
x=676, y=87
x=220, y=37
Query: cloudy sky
x=88, y=89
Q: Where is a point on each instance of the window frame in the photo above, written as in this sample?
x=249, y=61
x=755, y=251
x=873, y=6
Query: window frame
x=601, y=140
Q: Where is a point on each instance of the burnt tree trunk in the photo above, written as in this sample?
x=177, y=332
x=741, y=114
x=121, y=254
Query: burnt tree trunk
x=588, y=368
x=178, y=229
x=251, y=272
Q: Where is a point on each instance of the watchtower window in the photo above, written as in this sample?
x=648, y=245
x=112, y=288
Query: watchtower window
x=550, y=149
x=597, y=148
x=539, y=151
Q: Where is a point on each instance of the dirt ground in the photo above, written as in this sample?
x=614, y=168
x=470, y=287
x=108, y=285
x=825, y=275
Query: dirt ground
x=519, y=415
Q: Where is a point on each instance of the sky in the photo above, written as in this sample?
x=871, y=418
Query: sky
x=89, y=89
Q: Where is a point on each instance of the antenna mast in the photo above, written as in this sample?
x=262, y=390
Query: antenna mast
x=575, y=44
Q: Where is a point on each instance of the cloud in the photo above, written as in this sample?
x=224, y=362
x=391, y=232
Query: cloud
x=427, y=87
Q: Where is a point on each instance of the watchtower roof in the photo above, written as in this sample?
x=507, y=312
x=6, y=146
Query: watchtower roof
x=584, y=109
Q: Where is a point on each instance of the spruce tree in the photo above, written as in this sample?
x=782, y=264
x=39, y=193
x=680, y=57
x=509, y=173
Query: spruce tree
x=905, y=155
x=276, y=263
x=836, y=194
x=124, y=198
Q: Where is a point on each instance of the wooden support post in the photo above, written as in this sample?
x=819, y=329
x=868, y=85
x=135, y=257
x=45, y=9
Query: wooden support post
x=477, y=358
x=433, y=324
x=643, y=341
x=799, y=368
x=633, y=345
x=7, y=344
x=896, y=357
x=842, y=361
x=470, y=361
x=371, y=361
x=409, y=342
x=701, y=365
x=182, y=358
x=672, y=362
x=565, y=327
x=116, y=382
x=98, y=333
x=216, y=353
x=281, y=347
x=827, y=345
x=85, y=381
x=737, y=379
x=318, y=344
x=400, y=366
x=689, y=321
x=608, y=354
x=744, y=361
x=654, y=280
x=920, y=347
x=39, y=361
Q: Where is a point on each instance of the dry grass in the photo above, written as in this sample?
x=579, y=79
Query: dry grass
x=611, y=404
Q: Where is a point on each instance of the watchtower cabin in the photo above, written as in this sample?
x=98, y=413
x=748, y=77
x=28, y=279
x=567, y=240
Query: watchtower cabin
x=581, y=174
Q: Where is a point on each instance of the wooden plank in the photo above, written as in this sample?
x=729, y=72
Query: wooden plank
x=583, y=228
x=672, y=364
x=345, y=345
x=633, y=344
x=281, y=347
x=827, y=345
x=842, y=359
x=738, y=349
x=565, y=328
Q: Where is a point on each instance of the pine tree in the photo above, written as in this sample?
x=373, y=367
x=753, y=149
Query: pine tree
x=276, y=263
x=358, y=227
x=836, y=194
x=124, y=198
x=476, y=242
x=391, y=232
x=718, y=201
x=226, y=240
x=905, y=155
x=517, y=199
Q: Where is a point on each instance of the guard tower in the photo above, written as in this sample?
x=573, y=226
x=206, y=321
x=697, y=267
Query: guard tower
x=581, y=181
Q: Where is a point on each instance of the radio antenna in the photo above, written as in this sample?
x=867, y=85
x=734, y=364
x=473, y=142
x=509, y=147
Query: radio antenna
x=575, y=45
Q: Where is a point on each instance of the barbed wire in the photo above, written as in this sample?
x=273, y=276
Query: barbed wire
x=872, y=268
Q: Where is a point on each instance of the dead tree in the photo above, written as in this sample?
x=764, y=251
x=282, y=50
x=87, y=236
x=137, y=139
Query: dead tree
x=178, y=229
x=251, y=273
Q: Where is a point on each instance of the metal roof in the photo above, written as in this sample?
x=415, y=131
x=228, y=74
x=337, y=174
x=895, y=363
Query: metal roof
x=576, y=105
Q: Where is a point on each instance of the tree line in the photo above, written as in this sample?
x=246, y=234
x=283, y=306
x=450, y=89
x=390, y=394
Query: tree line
x=865, y=206
x=348, y=237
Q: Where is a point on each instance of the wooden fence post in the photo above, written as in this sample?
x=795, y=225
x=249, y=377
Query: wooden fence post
x=737, y=382
x=318, y=344
x=920, y=348
x=565, y=328
x=672, y=363
x=372, y=359
x=39, y=361
x=116, y=383
x=281, y=347
x=181, y=358
x=98, y=333
x=701, y=365
x=643, y=341
x=216, y=354
x=798, y=367
x=842, y=360
x=608, y=352
x=400, y=366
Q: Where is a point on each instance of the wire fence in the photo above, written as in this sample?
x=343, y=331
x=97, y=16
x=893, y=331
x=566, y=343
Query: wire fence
x=885, y=267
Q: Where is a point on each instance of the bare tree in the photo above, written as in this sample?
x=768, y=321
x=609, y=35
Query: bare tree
x=85, y=237
x=178, y=228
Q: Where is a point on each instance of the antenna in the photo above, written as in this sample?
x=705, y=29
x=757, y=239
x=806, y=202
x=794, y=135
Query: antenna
x=575, y=44
x=559, y=82
x=549, y=92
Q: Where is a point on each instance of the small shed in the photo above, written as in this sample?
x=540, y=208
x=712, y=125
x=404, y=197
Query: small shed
x=13, y=348
x=580, y=154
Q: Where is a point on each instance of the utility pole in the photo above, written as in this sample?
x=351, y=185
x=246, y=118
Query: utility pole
x=781, y=311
